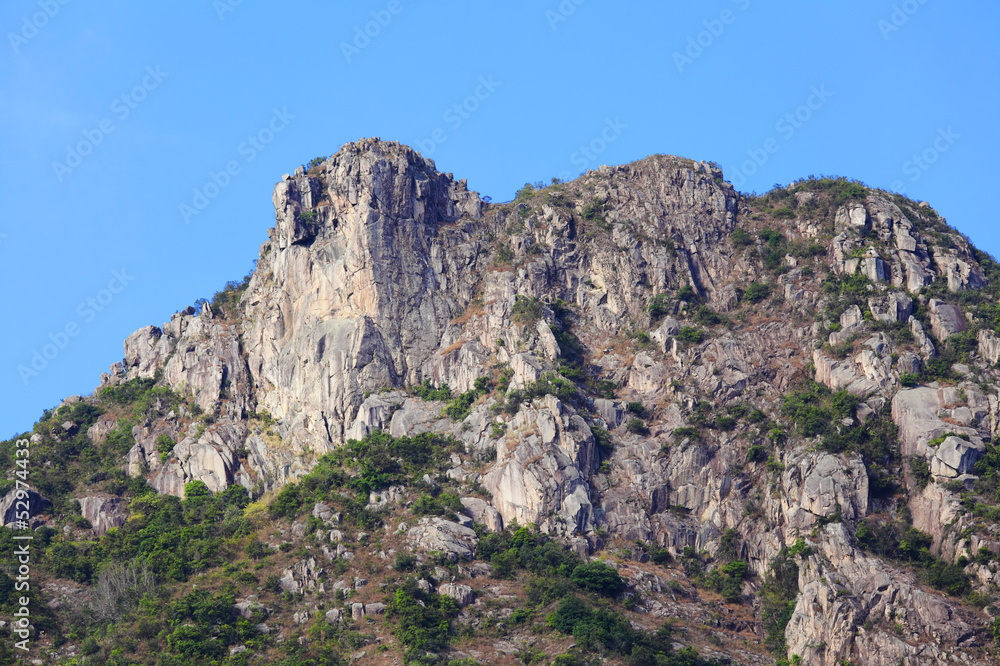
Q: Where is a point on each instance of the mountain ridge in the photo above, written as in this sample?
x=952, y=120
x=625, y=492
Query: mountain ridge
x=626, y=361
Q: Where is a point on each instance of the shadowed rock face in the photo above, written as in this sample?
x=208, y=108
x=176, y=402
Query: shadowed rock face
x=381, y=272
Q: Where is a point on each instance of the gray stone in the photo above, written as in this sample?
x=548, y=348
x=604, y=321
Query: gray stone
x=437, y=534
x=104, y=512
x=11, y=506
x=946, y=319
x=481, y=511
x=462, y=594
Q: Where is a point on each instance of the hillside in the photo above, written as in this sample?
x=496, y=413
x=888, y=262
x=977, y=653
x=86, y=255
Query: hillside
x=635, y=418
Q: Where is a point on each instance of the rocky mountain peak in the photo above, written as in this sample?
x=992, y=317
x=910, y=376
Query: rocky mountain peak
x=367, y=183
x=787, y=399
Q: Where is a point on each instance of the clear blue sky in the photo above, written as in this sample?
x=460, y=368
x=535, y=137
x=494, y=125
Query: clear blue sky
x=139, y=103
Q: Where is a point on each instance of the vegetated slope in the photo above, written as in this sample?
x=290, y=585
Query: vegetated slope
x=628, y=413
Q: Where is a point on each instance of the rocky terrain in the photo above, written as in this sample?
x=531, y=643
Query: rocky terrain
x=759, y=426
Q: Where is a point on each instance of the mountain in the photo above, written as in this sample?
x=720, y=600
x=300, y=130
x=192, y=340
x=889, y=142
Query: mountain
x=638, y=417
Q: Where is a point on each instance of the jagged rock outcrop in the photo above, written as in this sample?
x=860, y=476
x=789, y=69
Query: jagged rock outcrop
x=540, y=477
x=846, y=594
x=103, y=512
x=21, y=505
x=381, y=273
x=433, y=534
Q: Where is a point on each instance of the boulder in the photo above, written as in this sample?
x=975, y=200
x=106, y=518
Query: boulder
x=946, y=319
x=462, y=594
x=12, y=507
x=301, y=576
x=989, y=346
x=444, y=536
x=482, y=512
x=819, y=485
x=104, y=512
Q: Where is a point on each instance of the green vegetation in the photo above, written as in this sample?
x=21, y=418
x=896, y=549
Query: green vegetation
x=892, y=539
x=658, y=307
x=774, y=249
x=691, y=334
x=756, y=292
x=686, y=432
x=594, y=211
x=816, y=411
x=983, y=500
x=422, y=620
x=741, y=238
x=461, y=406
x=778, y=593
x=445, y=504
x=548, y=384
x=426, y=391
x=504, y=255
x=525, y=193
x=637, y=426
x=226, y=303
x=527, y=311
x=164, y=445
x=373, y=463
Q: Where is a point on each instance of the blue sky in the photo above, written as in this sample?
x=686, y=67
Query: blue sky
x=115, y=115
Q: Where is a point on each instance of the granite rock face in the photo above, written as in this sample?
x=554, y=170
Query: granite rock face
x=381, y=272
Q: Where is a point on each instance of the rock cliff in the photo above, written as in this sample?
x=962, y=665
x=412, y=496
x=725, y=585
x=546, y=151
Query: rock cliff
x=643, y=356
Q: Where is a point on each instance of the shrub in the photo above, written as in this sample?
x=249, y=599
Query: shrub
x=548, y=384
x=405, y=562
x=706, y=316
x=164, y=445
x=594, y=210
x=658, y=307
x=119, y=589
x=525, y=193
x=921, y=471
x=727, y=580
x=725, y=423
x=637, y=426
x=686, y=432
x=443, y=505
x=687, y=294
x=741, y=238
x=504, y=254
x=598, y=577
x=527, y=310
x=778, y=593
x=691, y=334
x=421, y=620
x=757, y=292
x=426, y=391
x=636, y=408
x=256, y=550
